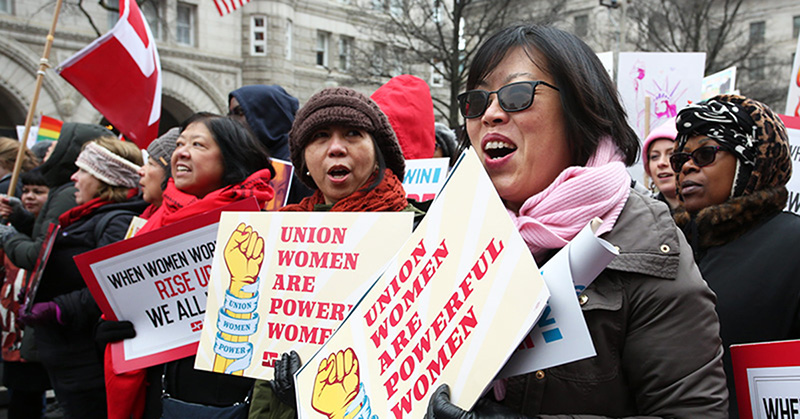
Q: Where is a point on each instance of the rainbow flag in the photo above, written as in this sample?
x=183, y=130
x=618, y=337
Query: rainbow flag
x=49, y=128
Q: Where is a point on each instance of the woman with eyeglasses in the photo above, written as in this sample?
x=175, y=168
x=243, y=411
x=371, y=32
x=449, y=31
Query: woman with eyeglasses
x=546, y=121
x=732, y=161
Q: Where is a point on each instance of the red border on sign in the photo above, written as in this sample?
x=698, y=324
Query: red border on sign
x=85, y=260
x=759, y=355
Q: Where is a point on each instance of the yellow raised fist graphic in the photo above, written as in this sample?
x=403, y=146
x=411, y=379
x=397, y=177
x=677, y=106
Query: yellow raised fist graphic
x=244, y=254
x=336, y=385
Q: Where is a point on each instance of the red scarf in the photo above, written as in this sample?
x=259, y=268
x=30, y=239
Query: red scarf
x=387, y=196
x=178, y=205
x=126, y=392
x=81, y=211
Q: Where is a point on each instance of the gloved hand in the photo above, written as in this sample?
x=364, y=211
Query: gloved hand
x=439, y=407
x=10, y=205
x=110, y=331
x=283, y=384
x=41, y=314
x=6, y=231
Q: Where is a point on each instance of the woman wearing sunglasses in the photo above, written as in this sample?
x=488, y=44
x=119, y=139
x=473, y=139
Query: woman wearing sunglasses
x=546, y=121
x=732, y=161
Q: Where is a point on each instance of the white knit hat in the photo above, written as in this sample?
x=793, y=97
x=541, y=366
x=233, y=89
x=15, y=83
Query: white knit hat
x=108, y=167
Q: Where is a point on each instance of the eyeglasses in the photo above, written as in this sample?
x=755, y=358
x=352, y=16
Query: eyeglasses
x=512, y=97
x=702, y=156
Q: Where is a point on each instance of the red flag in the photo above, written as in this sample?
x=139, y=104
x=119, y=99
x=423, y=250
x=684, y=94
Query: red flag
x=120, y=74
x=226, y=6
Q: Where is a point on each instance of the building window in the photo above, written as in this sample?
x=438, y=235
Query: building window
x=795, y=27
x=289, y=30
x=345, y=49
x=379, y=58
x=756, y=68
x=258, y=35
x=398, y=62
x=437, y=80
x=184, y=24
x=757, y=30
x=152, y=14
x=323, y=42
x=379, y=5
x=113, y=15
x=582, y=25
x=5, y=6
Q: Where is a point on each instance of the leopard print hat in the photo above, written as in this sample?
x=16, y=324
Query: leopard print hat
x=748, y=129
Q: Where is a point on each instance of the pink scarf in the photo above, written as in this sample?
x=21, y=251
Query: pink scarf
x=554, y=216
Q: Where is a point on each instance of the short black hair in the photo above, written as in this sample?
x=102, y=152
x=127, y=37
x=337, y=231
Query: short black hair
x=589, y=99
x=242, y=153
x=33, y=177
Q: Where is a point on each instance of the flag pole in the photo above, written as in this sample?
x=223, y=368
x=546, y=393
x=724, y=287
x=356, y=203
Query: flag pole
x=43, y=64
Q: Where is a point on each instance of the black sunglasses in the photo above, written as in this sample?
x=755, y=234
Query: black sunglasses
x=512, y=97
x=702, y=156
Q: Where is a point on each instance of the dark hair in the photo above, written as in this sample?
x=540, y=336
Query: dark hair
x=242, y=153
x=32, y=177
x=589, y=98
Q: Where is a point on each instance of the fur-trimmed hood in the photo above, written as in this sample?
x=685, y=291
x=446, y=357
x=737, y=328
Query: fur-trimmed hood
x=720, y=224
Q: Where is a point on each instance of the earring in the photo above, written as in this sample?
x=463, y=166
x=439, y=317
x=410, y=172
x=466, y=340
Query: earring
x=308, y=173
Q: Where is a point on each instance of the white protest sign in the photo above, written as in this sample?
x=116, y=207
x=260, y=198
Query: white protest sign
x=793, y=129
x=720, y=83
x=158, y=282
x=561, y=335
x=293, y=291
x=451, y=307
x=424, y=178
x=774, y=390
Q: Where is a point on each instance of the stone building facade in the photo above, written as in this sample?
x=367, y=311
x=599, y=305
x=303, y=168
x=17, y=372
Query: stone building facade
x=302, y=45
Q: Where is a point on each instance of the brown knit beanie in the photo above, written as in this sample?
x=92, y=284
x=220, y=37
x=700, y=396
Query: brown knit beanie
x=347, y=107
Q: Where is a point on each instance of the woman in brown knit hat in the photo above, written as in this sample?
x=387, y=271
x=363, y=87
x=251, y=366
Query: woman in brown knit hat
x=343, y=147
x=732, y=163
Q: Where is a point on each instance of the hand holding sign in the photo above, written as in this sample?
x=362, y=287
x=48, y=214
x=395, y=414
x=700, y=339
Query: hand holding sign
x=244, y=254
x=337, y=384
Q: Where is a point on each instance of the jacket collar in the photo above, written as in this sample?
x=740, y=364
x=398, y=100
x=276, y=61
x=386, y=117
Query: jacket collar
x=723, y=223
x=646, y=239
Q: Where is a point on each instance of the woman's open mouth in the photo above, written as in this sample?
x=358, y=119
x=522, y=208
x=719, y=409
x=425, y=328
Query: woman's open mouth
x=338, y=173
x=498, y=149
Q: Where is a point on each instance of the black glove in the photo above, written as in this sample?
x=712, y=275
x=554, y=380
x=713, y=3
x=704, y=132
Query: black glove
x=439, y=407
x=283, y=384
x=109, y=331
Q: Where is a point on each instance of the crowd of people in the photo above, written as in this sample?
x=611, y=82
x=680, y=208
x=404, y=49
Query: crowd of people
x=705, y=259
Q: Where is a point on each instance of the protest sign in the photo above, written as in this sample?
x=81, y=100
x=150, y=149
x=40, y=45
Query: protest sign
x=38, y=269
x=424, y=178
x=671, y=80
x=793, y=129
x=561, y=335
x=767, y=379
x=281, y=183
x=451, y=307
x=284, y=281
x=720, y=83
x=793, y=97
x=157, y=281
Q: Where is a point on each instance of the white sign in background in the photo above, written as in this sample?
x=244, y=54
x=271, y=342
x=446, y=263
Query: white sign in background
x=793, y=204
x=424, y=178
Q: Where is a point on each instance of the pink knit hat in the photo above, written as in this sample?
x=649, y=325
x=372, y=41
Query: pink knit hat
x=665, y=131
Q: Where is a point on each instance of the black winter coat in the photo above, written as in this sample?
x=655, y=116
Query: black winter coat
x=69, y=349
x=747, y=251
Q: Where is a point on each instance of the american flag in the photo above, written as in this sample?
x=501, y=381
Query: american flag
x=226, y=6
